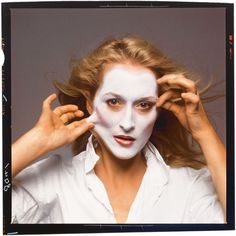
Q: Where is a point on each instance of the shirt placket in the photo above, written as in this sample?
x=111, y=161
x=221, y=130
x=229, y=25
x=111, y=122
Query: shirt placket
x=99, y=192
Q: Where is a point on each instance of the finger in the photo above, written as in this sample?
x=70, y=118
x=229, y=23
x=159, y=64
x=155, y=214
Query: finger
x=168, y=76
x=191, y=100
x=65, y=109
x=164, y=79
x=47, y=102
x=171, y=106
x=80, y=127
x=79, y=113
x=81, y=123
x=71, y=115
x=190, y=97
x=168, y=95
x=93, y=118
x=178, y=81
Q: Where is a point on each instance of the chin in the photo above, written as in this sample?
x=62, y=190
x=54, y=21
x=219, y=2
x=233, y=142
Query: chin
x=124, y=155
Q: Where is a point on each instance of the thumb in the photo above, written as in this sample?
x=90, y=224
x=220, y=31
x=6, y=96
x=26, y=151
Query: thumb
x=191, y=101
x=93, y=118
x=47, y=102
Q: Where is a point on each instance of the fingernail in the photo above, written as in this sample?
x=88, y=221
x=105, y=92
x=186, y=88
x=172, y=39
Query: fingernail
x=91, y=126
x=79, y=113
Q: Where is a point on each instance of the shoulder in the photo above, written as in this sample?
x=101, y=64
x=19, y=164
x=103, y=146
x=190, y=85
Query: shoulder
x=49, y=167
x=39, y=177
x=189, y=173
x=188, y=178
x=42, y=167
x=46, y=175
x=196, y=186
x=198, y=191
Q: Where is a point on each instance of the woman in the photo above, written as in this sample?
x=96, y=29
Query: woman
x=136, y=102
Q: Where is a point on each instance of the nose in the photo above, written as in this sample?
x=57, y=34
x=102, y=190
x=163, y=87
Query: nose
x=127, y=123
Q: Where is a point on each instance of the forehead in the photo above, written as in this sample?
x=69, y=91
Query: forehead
x=129, y=81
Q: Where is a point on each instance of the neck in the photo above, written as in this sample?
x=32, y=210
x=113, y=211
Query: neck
x=117, y=170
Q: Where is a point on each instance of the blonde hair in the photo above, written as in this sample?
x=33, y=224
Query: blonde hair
x=170, y=138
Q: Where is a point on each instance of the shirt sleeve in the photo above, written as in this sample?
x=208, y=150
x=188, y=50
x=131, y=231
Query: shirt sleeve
x=204, y=206
x=34, y=195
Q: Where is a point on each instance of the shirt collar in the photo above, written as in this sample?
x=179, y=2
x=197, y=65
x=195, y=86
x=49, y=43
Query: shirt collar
x=91, y=156
x=156, y=167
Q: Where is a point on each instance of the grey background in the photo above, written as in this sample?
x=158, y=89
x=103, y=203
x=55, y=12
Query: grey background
x=44, y=40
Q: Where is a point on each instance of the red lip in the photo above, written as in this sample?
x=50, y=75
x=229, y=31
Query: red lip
x=124, y=140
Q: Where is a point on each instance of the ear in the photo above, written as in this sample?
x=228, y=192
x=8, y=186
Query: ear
x=89, y=107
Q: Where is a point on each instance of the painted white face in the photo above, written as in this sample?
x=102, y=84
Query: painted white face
x=124, y=109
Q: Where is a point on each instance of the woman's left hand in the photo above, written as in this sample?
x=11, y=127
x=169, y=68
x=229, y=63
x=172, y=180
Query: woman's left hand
x=190, y=113
x=192, y=116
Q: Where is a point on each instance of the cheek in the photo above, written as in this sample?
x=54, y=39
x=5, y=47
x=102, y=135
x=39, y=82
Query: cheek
x=146, y=122
x=106, y=117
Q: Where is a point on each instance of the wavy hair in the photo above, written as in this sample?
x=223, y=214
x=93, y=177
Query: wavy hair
x=170, y=138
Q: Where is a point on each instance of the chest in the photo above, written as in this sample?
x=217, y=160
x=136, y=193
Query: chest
x=90, y=201
x=124, y=206
x=121, y=200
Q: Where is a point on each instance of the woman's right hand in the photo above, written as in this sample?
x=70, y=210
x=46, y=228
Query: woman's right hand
x=50, y=132
x=53, y=128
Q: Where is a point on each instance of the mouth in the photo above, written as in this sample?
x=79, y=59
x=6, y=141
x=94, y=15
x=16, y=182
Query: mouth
x=124, y=140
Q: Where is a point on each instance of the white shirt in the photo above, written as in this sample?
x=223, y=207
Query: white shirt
x=67, y=190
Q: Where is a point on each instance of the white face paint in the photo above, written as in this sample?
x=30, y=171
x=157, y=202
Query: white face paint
x=124, y=109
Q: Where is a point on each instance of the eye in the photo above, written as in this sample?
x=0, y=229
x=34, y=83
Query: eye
x=113, y=102
x=144, y=106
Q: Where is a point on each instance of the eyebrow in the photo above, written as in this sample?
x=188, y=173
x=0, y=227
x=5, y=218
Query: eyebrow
x=114, y=95
x=148, y=98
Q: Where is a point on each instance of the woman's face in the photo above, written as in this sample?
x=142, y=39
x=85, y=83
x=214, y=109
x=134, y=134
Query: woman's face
x=124, y=109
